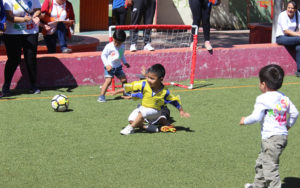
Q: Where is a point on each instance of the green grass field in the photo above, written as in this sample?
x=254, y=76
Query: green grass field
x=83, y=147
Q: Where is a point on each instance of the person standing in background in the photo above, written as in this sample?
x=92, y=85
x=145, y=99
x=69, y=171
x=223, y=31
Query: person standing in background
x=21, y=34
x=201, y=13
x=145, y=9
x=119, y=9
x=62, y=12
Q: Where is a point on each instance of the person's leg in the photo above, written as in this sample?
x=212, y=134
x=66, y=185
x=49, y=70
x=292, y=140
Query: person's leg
x=13, y=50
x=298, y=57
x=291, y=42
x=136, y=15
x=50, y=41
x=119, y=73
x=122, y=15
x=116, y=16
x=273, y=148
x=61, y=32
x=122, y=77
x=195, y=7
x=288, y=41
x=259, y=180
x=150, y=7
x=206, y=9
x=138, y=120
x=105, y=86
x=132, y=117
x=135, y=119
x=30, y=43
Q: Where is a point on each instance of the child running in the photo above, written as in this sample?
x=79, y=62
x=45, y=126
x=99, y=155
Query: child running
x=112, y=55
x=271, y=109
x=154, y=97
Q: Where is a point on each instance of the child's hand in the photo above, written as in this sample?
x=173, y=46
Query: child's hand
x=143, y=71
x=184, y=114
x=108, y=68
x=127, y=65
x=242, y=121
x=36, y=20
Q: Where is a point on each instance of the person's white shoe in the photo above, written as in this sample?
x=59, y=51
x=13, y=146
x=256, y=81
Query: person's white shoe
x=207, y=45
x=148, y=47
x=127, y=130
x=248, y=185
x=152, y=128
x=132, y=47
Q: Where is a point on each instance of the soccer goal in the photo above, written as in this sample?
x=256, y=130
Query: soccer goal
x=173, y=48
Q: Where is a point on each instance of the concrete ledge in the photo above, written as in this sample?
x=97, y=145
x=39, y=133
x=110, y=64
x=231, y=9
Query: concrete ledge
x=77, y=44
x=86, y=68
x=243, y=61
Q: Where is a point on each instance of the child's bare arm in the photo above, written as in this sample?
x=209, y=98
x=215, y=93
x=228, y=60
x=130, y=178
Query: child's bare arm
x=118, y=91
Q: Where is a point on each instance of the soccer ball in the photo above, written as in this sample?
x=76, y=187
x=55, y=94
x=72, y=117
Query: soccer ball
x=60, y=103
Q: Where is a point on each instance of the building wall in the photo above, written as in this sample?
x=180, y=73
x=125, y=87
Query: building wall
x=230, y=14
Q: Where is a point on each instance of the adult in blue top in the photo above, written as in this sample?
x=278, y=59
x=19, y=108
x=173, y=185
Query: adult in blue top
x=119, y=9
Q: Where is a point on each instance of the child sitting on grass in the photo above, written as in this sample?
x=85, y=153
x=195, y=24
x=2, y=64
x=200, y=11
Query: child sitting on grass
x=154, y=97
x=111, y=56
x=271, y=110
x=164, y=120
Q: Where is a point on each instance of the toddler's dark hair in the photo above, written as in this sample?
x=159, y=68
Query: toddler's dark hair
x=272, y=75
x=157, y=69
x=119, y=35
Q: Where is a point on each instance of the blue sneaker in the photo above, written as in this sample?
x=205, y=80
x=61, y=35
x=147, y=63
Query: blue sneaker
x=101, y=98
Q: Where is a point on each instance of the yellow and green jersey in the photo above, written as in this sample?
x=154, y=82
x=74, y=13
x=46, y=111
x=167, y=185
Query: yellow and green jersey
x=151, y=99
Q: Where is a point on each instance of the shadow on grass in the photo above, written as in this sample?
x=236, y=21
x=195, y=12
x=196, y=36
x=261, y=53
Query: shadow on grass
x=291, y=182
x=116, y=98
x=181, y=128
x=178, y=128
x=197, y=86
x=16, y=92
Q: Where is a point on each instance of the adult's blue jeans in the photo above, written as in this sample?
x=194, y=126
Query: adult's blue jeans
x=59, y=34
x=289, y=41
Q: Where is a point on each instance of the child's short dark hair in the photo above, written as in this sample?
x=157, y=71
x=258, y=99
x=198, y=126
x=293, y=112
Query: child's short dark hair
x=157, y=69
x=272, y=75
x=119, y=35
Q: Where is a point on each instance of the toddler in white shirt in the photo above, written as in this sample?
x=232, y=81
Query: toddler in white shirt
x=276, y=114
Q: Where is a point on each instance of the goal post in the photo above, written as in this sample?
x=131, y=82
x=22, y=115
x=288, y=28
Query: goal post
x=169, y=41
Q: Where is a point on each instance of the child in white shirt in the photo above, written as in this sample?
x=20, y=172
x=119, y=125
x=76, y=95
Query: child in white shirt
x=112, y=55
x=276, y=114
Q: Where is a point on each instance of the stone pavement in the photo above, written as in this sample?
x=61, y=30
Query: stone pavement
x=219, y=39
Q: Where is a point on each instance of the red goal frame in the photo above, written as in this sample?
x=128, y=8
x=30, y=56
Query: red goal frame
x=164, y=27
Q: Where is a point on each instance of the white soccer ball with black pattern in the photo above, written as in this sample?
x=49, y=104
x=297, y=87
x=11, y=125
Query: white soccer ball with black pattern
x=60, y=103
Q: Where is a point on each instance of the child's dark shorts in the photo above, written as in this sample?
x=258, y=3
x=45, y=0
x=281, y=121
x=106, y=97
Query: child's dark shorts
x=118, y=72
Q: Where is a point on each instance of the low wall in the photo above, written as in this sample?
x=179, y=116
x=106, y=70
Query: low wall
x=86, y=68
